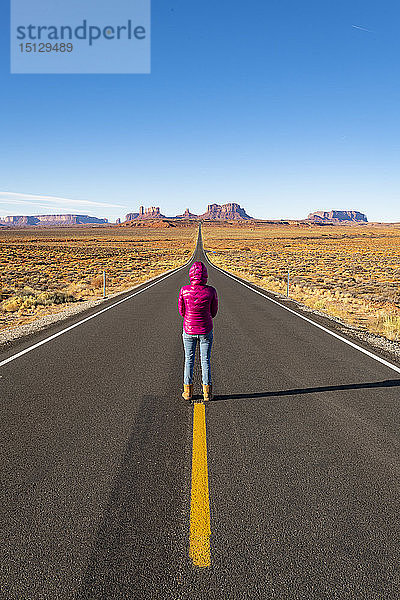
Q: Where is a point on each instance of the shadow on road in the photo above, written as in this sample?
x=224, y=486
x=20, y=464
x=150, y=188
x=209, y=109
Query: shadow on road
x=327, y=388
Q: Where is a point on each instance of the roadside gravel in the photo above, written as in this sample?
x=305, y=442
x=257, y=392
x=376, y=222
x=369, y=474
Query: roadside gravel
x=390, y=347
x=19, y=331
x=61, y=313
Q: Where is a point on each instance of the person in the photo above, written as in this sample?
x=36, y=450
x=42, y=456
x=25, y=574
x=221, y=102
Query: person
x=198, y=305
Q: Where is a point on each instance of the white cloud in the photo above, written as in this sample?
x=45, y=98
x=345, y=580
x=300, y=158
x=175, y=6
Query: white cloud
x=67, y=204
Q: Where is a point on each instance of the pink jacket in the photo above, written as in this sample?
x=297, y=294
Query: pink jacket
x=198, y=302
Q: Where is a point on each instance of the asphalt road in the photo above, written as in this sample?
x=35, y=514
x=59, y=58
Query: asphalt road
x=96, y=442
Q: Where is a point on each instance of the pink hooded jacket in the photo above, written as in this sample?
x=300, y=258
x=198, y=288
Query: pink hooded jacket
x=198, y=302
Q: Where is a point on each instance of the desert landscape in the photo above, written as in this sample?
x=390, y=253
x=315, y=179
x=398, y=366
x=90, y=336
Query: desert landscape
x=350, y=272
x=45, y=269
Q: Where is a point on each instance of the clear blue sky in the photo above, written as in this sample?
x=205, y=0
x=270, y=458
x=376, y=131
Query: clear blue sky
x=283, y=107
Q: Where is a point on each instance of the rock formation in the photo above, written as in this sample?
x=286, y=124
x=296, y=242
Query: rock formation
x=153, y=212
x=131, y=216
x=225, y=212
x=187, y=215
x=215, y=212
x=337, y=216
x=19, y=220
x=24, y=220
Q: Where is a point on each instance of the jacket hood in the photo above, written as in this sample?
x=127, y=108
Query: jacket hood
x=198, y=273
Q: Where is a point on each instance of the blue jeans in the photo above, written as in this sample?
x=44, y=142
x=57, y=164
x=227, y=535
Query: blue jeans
x=189, y=344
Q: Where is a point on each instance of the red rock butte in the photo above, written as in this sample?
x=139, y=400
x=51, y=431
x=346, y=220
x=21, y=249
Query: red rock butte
x=214, y=212
x=337, y=216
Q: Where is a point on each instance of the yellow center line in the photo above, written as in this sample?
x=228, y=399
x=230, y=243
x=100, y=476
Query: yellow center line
x=200, y=528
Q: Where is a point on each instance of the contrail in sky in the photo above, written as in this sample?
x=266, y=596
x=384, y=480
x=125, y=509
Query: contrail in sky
x=362, y=28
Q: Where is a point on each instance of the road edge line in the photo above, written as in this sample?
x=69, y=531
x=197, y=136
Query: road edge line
x=336, y=335
x=55, y=335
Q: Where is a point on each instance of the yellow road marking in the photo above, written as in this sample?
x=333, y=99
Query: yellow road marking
x=200, y=528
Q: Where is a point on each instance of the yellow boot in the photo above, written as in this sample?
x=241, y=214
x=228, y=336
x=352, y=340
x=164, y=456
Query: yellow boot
x=207, y=392
x=187, y=391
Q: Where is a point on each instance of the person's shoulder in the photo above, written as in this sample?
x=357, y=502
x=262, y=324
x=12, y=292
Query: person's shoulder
x=213, y=290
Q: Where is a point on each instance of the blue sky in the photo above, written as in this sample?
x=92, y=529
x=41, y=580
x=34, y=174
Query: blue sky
x=284, y=107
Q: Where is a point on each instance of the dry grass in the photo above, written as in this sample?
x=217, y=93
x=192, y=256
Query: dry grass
x=42, y=269
x=348, y=272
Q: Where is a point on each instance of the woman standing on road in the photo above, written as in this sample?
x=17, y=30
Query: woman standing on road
x=198, y=305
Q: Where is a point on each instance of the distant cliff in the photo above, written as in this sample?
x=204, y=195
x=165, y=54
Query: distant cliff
x=225, y=212
x=23, y=220
x=215, y=212
x=153, y=212
x=337, y=216
x=187, y=215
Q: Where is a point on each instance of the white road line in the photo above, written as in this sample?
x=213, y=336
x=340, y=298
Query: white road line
x=52, y=337
x=339, y=337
